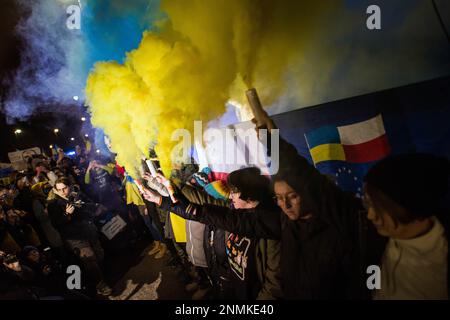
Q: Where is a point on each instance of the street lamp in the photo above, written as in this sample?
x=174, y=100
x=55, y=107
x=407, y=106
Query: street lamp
x=75, y=98
x=56, y=131
x=83, y=119
x=72, y=139
x=17, y=131
x=86, y=135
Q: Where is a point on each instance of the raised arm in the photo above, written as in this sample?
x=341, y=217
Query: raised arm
x=252, y=223
x=198, y=196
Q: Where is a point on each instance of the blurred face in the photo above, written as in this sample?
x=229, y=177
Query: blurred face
x=23, y=183
x=2, y=214
x=12, y=217
x=65, y=164
x=62, y=189
x=4, y=195
x=287, y=199
x=97, y=167
x=381, y=220
x=385, y=224
x=34, y=256
x=41, y=168
x=238, y=203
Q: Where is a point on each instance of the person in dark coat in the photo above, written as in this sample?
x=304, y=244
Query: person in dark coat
x=72, y=215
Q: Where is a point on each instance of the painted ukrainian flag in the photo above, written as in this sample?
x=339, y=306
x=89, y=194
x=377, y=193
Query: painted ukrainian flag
x=360, y=142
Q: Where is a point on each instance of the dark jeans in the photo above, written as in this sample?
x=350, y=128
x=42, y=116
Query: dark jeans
x=91, y=254
x=150, y=224
x=202, y=277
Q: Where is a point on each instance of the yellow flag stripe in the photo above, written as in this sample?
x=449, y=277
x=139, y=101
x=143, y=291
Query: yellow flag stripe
x=178, y=227
x=327, y=152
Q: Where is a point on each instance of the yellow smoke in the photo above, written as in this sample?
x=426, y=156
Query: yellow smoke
x=205, y=54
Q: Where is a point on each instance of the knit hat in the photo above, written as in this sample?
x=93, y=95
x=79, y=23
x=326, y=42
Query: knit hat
x=417, y=182
x=201, y=178
x=27, y=249
x=218, y=189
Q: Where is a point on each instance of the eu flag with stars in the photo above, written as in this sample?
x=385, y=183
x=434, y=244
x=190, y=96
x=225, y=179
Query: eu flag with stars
x=345, y=153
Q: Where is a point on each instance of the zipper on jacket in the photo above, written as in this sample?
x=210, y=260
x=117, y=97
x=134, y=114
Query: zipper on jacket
x=192, y=244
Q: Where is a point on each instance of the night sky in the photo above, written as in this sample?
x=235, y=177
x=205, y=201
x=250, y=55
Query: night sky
x=38, y=130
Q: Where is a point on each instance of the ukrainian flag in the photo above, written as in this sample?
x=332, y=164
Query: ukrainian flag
x=325, y=144
x=360, y=142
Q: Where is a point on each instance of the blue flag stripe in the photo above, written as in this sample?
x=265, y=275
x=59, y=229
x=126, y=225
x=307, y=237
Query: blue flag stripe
x=323, y=135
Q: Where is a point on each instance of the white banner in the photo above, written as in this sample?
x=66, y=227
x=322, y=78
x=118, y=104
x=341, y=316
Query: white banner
x=113, y=227
x=19, y=158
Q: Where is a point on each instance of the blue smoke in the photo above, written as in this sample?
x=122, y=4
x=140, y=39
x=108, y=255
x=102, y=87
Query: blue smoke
x=112, y=28
x=55, y=61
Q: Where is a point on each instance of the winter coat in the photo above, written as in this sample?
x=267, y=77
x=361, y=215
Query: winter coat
x=77, y=226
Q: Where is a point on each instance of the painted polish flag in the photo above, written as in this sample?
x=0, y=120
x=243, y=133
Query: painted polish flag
x=364, y=141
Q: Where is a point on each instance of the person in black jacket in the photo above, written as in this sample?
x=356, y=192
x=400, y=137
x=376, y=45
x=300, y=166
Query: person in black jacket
x=22, y=232
x=218, y=266
x=318, y=228
x=48, y=271
x=72, y=215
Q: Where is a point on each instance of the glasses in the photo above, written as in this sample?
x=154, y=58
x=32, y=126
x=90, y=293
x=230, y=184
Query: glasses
x=290, y=198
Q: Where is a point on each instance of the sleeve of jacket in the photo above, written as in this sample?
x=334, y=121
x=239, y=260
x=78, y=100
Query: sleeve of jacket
x=252, y=223
x=87, y=177
x=289, y=158
x=271, y=288
x=57, y=215
x=39, y=211
x=200, y=197
x=108, y=168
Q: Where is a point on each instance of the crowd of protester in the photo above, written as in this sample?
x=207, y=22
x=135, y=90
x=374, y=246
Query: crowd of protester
x=52, y=216
x=295, y=235
x=299, y=236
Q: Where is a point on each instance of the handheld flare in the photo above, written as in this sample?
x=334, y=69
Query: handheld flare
x=151, y=167
x=139, y=185
x=255, y=105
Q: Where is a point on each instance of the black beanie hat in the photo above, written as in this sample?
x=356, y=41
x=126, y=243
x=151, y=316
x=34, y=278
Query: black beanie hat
x=417, y=182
